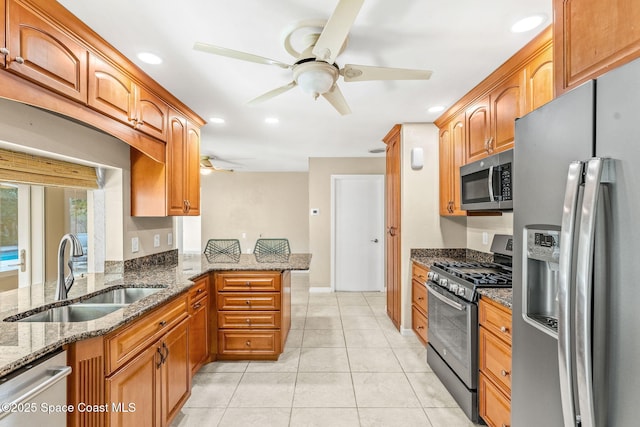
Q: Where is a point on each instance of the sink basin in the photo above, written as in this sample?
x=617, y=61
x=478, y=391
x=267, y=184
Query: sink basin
x=120, y=296
x=73, y=313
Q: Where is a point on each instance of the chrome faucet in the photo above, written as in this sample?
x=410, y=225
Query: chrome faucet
x=65, y=283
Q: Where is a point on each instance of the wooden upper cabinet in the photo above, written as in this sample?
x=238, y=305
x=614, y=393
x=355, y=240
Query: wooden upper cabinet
x=183, y=174
x=592, y=37
x=3, y=40
x=457, y=159
x=478, y=130
x=538, y=80
x=506, y=107
x=110, y=90
x=44, y=53
x=445, y=171
x=151, y=114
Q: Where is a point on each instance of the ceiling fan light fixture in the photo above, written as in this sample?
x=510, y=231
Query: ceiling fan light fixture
x=206, y=171
x=315, y=78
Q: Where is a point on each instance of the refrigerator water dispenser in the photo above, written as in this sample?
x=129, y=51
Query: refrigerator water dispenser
x=540, y=276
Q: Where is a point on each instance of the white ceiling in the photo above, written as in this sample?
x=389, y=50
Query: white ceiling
x=462, y=41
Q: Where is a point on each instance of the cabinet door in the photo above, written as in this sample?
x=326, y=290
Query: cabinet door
x=538, y=75
x=176, y=165
x=199, y=334
x=137, y=383
x=457, y=159
x=446, y=172
x=192, y=168
x=505, y=109
x=176, y=371
x=151, y=114
x=392, y=190
x=110, y=90
x=478, y=131
x=3, y=40
x=44, y=54
x=592, y=37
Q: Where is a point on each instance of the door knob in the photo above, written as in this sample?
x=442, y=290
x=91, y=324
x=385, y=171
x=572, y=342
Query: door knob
x=375, y=240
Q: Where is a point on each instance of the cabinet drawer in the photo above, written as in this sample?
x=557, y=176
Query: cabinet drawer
x=419, y=272
x=495, y=407
x=419, y=323
x=496, y=319
x=249, y=319
x=495, y=359
x=198, y=290
x=248, y=342
x=244, y=301
x=419, y=296
x=248, y=281
x=128, y=341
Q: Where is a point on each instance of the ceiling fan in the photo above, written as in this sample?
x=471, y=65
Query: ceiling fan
x=315, y=70
x=206, y=167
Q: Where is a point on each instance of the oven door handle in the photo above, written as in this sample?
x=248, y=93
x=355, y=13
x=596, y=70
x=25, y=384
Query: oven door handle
x=432, y=290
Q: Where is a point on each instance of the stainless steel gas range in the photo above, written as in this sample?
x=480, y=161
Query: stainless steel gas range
x=452, y=352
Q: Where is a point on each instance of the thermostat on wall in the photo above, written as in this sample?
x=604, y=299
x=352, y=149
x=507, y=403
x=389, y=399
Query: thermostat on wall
x=417, y=158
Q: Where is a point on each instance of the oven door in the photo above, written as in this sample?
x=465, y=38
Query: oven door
x=453, y=332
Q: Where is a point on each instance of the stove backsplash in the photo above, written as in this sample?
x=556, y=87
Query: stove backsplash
x=468, y=254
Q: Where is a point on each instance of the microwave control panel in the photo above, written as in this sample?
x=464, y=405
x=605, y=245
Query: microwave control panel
x=505, y=181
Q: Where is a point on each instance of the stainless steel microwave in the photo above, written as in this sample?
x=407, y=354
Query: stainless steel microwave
x=486, y=183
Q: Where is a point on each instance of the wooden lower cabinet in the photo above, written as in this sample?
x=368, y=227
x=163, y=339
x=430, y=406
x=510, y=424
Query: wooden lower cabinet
x=494, y=349
x=199, y=332
x=419, y=298
x=253, y=314
x=140, y=373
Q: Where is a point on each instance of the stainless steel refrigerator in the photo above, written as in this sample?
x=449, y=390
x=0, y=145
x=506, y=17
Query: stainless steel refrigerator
x=576, y=273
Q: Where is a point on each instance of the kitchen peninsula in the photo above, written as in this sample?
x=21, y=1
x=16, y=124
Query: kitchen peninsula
x=147, y=351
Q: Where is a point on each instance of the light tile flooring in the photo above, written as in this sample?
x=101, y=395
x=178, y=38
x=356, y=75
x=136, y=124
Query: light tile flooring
x=344, y=364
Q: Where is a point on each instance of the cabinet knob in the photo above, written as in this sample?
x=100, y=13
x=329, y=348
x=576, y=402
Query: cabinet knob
x=199, y=291
x=248, y=321
x=505, y=425
x=420, y=327
x=504, y=329
x=4, y=51
x=19, y=59
x=247, y=284
x=504, y=373
x=248, y=302
x=248, y=343
x=163, y=323
x=197, y=305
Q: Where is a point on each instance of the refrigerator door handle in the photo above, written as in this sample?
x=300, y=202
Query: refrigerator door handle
x=598, y=171
x=490, y=184
x=565, y=335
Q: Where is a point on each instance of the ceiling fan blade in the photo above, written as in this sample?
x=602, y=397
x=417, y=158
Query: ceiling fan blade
x=272, y=93
x=335, y=32
x=360, y=73
x=236, y=54
x=205, y=162
x=335, y=98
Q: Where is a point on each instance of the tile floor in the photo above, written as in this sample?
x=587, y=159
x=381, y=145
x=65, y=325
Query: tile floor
x=344, y=364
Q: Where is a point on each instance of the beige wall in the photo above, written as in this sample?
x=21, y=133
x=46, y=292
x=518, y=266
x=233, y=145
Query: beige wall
x=421, y=223
x=491, y=225
x=261, y=204
x=320, y=171
x=29, y=127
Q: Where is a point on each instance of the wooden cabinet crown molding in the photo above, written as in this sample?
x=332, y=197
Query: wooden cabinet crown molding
x=541, y=42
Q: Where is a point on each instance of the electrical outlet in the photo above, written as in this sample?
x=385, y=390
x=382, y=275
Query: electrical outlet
x=170, y=239
x=156, y=240
x=244, y=235
x=485, y=238
x=134, y=245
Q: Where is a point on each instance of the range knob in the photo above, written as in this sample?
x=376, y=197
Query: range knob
x=453, y=287
x=444, y=283
x=436, y=276
x=460, y=291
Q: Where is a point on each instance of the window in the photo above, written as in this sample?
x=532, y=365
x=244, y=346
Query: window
x=8, y=227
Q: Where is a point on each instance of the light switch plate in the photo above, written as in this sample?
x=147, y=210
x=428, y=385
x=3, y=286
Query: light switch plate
x=485, y=238
x=315, y=211
x=156, y=240
x=170, y=239
x=134, y=245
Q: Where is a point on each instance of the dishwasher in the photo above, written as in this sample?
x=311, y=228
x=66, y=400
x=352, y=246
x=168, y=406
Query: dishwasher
x=36, y=394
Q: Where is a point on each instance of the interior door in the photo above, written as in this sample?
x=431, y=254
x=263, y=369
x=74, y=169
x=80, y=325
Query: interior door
x=358, y=232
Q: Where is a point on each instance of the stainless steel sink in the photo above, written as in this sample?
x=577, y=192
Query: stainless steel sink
x=73, y=313
x=120, y=296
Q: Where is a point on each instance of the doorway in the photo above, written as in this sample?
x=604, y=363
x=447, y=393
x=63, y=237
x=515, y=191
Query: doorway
x=357, y=235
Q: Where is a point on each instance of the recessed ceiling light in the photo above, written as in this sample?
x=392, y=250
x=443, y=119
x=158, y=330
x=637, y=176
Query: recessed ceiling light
x=272, y=120
x=149, y=58
x=528, y=23
x=217, y=120
x=436, y=109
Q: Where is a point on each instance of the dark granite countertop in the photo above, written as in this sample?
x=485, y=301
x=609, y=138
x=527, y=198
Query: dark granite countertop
x=24, y=342
x=427, y=257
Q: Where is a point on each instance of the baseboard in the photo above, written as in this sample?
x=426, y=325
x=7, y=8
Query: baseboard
x=406, y=332
x=319, y=290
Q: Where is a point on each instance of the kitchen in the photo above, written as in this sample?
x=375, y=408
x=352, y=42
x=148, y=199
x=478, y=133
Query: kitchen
x=423, y=227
